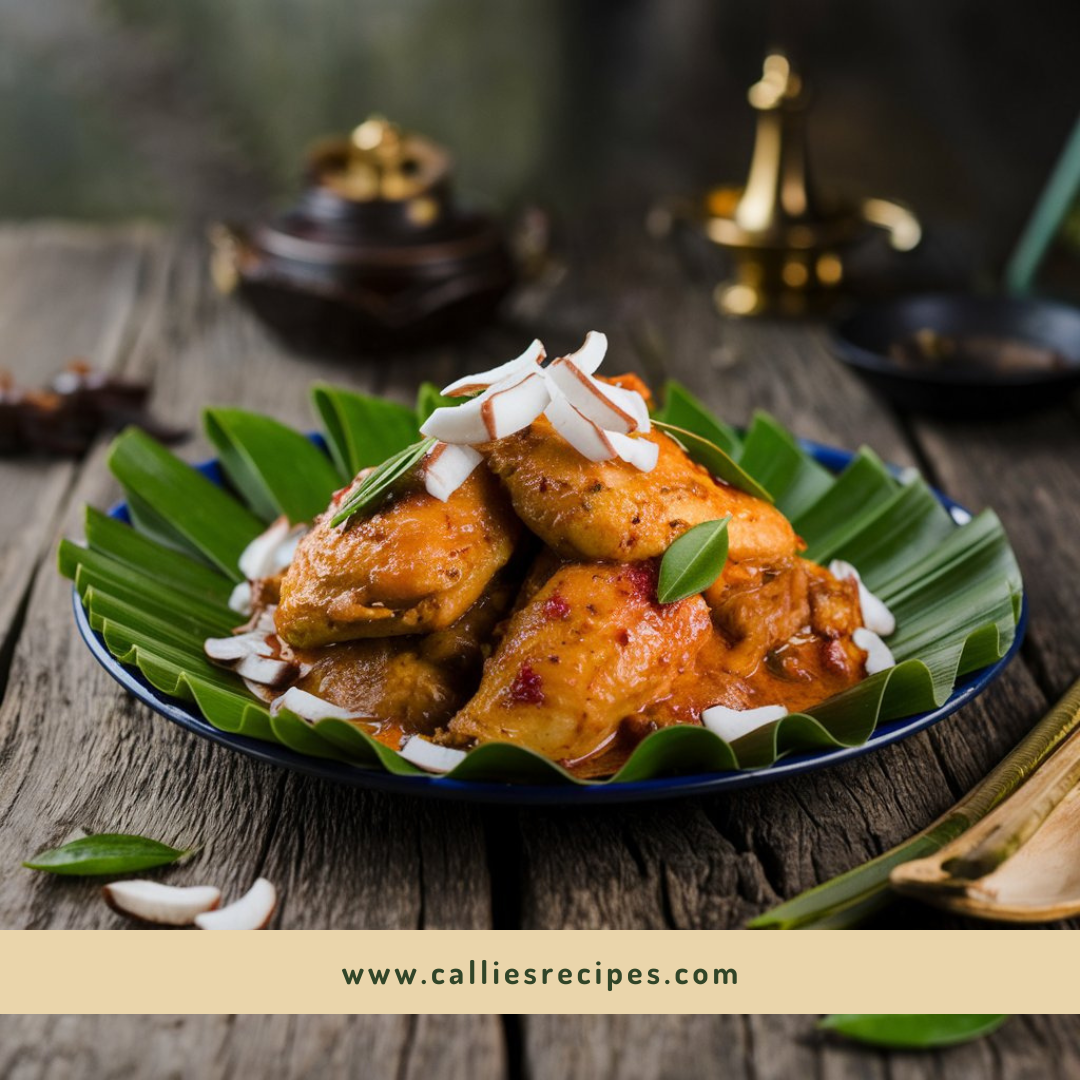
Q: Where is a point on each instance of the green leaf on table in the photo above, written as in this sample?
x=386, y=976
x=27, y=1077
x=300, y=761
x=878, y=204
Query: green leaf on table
x=206, y=516
x=105, y=853
x=375, y=486
x=683, y=409
x=274, y=468
x=912, y=1031
x=361, y=430
x=721, y=464
x=694, y=561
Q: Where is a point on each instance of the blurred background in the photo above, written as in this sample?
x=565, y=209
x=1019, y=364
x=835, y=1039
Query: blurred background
x=186, y=112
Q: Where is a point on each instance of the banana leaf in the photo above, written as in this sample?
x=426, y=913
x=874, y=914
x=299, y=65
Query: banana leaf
x=156, y=589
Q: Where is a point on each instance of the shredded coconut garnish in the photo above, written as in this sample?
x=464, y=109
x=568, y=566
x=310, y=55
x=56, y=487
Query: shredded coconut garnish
x=598, y=420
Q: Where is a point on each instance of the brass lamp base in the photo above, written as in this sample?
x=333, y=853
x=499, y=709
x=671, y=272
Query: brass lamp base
x=787, y=243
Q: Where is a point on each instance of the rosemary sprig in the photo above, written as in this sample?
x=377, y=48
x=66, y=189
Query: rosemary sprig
x=377, y=483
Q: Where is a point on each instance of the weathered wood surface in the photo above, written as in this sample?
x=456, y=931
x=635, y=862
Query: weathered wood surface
x=75, y=751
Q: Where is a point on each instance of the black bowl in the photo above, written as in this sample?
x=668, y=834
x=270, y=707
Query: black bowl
x=862, y=341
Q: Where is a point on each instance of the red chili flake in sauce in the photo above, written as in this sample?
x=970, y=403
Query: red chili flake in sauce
x=556, y=607
x=642, y=578
x=527, y=687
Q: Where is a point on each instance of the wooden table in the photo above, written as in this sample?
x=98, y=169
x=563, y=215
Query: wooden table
x=75, y=751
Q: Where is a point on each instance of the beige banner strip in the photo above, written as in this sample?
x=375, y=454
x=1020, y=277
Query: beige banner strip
x=636, y=971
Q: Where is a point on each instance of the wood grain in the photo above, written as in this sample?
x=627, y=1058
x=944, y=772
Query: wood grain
x=75, y=751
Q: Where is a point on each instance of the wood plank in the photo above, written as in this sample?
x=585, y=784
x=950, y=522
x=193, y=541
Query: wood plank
x=218, y=1047
x=41, y=329
x=1028, y=469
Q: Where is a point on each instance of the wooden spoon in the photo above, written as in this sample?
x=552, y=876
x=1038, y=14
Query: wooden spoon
x=1021, y=863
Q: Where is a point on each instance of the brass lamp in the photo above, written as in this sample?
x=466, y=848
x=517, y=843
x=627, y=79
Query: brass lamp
x=788, y=242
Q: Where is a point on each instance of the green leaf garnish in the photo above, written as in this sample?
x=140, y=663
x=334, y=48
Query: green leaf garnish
x=684, y=410
x=428, y=399
x=912, y=1031
x=717, y=461
x=694, y=561
x=106, y=853
x=376, y=484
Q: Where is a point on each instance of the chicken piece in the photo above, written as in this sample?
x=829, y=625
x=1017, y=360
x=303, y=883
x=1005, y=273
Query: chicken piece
x=410, y=684
x=415, y=566
x=783, y=637
x=835, y=610
x=589, y=651
x=757, y=608
x=612, y=510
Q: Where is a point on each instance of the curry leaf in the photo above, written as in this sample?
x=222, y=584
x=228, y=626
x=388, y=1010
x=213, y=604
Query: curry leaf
x=105, y=853
x=376, y=484
x=912, y=1031
x=717, y=461
x=694, y=561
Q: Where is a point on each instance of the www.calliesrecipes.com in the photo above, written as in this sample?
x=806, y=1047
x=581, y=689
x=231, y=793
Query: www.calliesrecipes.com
x=485, y=973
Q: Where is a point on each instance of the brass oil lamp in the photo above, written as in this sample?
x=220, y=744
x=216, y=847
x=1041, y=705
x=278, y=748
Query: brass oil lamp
x=786, y=240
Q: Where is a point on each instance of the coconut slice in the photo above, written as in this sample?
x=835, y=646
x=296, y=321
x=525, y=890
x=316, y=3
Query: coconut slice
x=258, y=556
x=589, y=397
x=311, y=708
x=447, y=467
x=501, y=410
x=473, y=384
x=286, y=550
x=429, y=756
x=591, y=355
x=272, y=550
x=732, y=724
x=640, y=453
x=629, y=401
x=240, y=598
x=238, y=647
x=164, y=905
x=263, y=693
x=588, y=439
x=251, y=912
x=266, y=670
x=879, y=656
x=876, y=616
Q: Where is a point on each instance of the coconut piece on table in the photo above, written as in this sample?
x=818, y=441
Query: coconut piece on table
x=732, y=724
x=164, y=905
x=252, y=911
